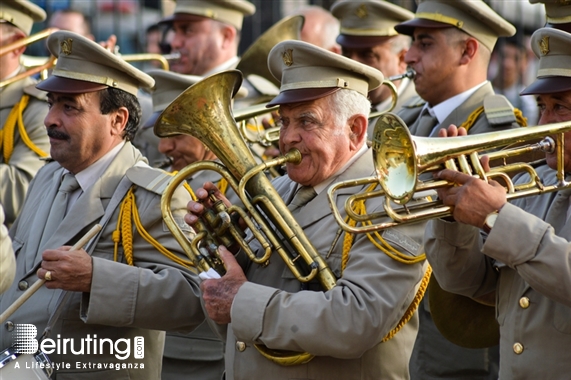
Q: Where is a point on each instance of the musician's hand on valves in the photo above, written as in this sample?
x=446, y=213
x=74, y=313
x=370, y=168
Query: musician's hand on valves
x=68, y=270
x=473, y=199
x=110, y=43
x=195, y=209
x=218, y=294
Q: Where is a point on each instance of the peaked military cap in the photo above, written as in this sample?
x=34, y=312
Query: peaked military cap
x=471, y=16
x=21, y=13
x=168, y=86
x=558, y=13
x=367, y=23
x=553, y=48
x=85, y=66
x=308, y=72
x=228, y=11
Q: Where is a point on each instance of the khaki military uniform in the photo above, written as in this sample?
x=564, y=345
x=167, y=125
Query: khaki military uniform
x=525, y=260
x=125, y=301
x=342, y=327
x=7, y=261
x=15, y=175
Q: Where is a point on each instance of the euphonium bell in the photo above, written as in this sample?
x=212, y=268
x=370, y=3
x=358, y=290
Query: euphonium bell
x=204, y=111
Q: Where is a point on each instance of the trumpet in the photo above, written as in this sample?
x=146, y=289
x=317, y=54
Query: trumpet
x=33, y=65
x=263, y=137
x=204, y=111
x=410, y=73
x=163, y=59
x=400, y=159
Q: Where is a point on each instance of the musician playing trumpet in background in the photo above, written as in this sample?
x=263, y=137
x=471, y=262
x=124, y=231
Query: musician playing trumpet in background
x=525, y=256
x=23, y=138
x=368, y=36
x=342, y=327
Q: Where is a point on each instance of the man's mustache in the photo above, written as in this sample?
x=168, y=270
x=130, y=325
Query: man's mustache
x=55, y=134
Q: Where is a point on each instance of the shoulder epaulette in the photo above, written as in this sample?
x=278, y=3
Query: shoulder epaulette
x=414, y=102
x=151, y=179
x=33, y=91
x=499, y=110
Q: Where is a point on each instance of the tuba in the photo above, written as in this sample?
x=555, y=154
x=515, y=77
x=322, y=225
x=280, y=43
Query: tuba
x=204, y=111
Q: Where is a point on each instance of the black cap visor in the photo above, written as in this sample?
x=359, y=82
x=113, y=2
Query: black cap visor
x=301, y=95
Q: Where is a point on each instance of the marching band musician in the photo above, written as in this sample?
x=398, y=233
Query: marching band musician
x=323, y=113
x=132, y=279
x=368, y=36
x=23, y=139
x=524, y=258
x=199, y=354
x=450, y=52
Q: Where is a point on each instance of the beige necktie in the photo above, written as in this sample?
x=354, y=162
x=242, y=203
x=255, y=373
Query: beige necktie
x=301, y=198
x=59, y=207
x=426, y=124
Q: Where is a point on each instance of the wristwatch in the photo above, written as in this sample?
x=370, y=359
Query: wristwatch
x=489, y=221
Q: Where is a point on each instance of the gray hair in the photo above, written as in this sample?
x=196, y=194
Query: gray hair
x=346, y=103
x=400, y=42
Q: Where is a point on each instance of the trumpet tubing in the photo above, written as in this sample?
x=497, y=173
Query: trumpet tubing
x=162, y=59
x=410, y=73
x=400, y=159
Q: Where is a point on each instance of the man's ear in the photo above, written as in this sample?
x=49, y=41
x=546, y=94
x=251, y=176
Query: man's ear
x=358, y=125
x=119, y=121
x=469, y=51
x=228, y=36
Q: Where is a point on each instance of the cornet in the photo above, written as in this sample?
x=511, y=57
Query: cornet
x=400, y=159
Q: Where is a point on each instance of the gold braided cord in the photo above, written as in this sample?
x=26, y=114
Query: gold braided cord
x=472, y=118
x=129, y=214
x=126, y=223
x=413, y=305
x=521, y=120
x=189, y=189
x=360, y=209
x=222, y=186
x=7, y=137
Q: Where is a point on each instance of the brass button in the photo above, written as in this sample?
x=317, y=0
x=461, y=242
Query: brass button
x=518, y=348
x=23, y=285
x=9, y=326
x=240, y=346
x=524, y=302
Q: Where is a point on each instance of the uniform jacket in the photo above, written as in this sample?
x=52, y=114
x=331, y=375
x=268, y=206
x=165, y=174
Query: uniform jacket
x=410, y=114
x=342, y=327
x=15, y=176
x=526, y=261
x=434, y=357
x=125, y=301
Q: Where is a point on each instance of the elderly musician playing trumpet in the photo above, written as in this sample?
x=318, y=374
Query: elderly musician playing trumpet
x=352, y=330
x=524, y=257
x=23, y=138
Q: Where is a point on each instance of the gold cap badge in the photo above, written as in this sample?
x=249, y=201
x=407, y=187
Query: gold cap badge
x=65, y=46
x=362, y=12
x=288, y=57
x=544, y=45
